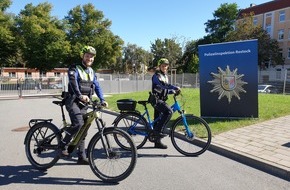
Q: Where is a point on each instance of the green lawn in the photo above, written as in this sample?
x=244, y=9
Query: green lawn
x=270, y=106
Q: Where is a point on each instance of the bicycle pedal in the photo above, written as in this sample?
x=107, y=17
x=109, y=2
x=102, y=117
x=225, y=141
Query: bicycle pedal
x=152, y=137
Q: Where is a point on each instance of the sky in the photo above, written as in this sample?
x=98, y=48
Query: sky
x=141, y=22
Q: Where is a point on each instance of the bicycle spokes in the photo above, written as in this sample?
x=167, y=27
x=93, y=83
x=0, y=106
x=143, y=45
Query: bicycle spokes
x=190, y=135
x=42, y=145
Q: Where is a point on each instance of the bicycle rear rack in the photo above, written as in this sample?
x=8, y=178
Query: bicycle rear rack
x=34, y=121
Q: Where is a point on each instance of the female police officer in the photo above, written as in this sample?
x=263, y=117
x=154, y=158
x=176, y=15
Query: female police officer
x=160, y=89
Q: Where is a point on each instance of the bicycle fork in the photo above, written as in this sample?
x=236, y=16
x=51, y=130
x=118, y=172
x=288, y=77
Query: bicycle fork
x=105, y=140
x=190, y=135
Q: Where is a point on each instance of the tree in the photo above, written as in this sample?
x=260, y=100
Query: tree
x=223, y=22
x=268, y=49
x=87, y=26
x=193, y=65
x=135, y=59
x=43, y=40
x=190, y=60
x=8, y=47
x=167, y=48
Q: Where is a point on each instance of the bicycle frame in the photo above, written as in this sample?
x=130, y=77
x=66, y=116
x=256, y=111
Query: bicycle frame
x=175, y=107
x=88, y=118
x=132, y=130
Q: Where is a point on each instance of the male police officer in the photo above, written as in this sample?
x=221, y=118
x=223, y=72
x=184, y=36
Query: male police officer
x=161, y=88
x=81, y=86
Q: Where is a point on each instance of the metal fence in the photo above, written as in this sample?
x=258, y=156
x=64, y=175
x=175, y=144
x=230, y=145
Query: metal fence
x=110, y=83
x=277, y=77
x=122, y=83
x=18, y=87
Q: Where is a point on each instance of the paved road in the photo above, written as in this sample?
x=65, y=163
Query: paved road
x=155, y=169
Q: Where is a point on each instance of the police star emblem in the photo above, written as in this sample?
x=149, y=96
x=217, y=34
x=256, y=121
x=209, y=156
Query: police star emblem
x=227, y=83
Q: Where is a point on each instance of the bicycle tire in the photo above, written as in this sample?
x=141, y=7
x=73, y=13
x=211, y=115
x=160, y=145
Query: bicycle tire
x=120, y=162
x=42, y=145
x=186, y=145
x=125, y=120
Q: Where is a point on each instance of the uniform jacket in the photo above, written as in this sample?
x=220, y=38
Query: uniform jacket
x=83, y=81
x=160, y=85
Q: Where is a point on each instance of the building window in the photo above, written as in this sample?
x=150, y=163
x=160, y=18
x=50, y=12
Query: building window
x=57, y=74
x=255, y=21
x=281, y=52
x=282, y=16
x=278, y=74
x=268, y=15
x=42, y=74
x=281, y=34
x=268, y=29
x=28, y=74
x=12, y=74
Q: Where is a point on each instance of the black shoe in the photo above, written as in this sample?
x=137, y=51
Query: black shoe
x=82, y=161
x=160, y=145
x=159, y=134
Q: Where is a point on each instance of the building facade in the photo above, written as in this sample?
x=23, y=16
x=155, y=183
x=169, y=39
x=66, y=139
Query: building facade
x=274, y=17
x=15, y=73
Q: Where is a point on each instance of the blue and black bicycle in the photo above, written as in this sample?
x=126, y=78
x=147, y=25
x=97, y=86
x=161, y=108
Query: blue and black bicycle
x=190, y=134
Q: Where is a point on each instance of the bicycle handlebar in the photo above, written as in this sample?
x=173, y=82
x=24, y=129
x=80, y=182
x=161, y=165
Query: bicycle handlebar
x=95, y=104
x=177, y=93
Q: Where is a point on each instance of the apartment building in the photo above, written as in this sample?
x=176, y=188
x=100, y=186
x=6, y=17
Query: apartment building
x=274, y=17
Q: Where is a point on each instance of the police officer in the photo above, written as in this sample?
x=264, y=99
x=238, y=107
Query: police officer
x=81, y=86
x=161, y=88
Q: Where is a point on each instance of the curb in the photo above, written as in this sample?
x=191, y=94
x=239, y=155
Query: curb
x=251, y=161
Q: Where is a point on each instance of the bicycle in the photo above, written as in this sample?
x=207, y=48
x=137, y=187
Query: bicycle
x=190, y=134
x=108, y=161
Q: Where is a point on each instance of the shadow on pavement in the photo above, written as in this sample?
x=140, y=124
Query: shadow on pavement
x=157, y=155
x=28, y=175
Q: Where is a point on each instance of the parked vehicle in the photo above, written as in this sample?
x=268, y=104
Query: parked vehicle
x=266, y=88
x=56, y=86
x=29, y=84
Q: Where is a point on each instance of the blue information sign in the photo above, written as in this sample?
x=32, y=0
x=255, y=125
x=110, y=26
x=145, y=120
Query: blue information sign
x=229, y=79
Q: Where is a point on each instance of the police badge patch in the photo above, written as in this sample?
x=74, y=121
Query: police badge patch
x=227, y=83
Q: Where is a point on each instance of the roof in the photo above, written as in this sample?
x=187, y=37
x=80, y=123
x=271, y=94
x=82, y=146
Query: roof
x=265, y=7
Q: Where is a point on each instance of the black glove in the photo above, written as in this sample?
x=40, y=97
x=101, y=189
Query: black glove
x=105, y=104
x=177, y=92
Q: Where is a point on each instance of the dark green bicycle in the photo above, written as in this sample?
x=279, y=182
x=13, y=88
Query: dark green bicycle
x=107, y=159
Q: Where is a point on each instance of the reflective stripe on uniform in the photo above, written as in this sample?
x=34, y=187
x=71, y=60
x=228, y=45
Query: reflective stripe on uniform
x=84, y=75
x=163, y=78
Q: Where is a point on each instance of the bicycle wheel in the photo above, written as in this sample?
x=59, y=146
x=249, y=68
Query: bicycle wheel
x=127, y=120
x=191, y=145
x=42, y=145
x=109, y=161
